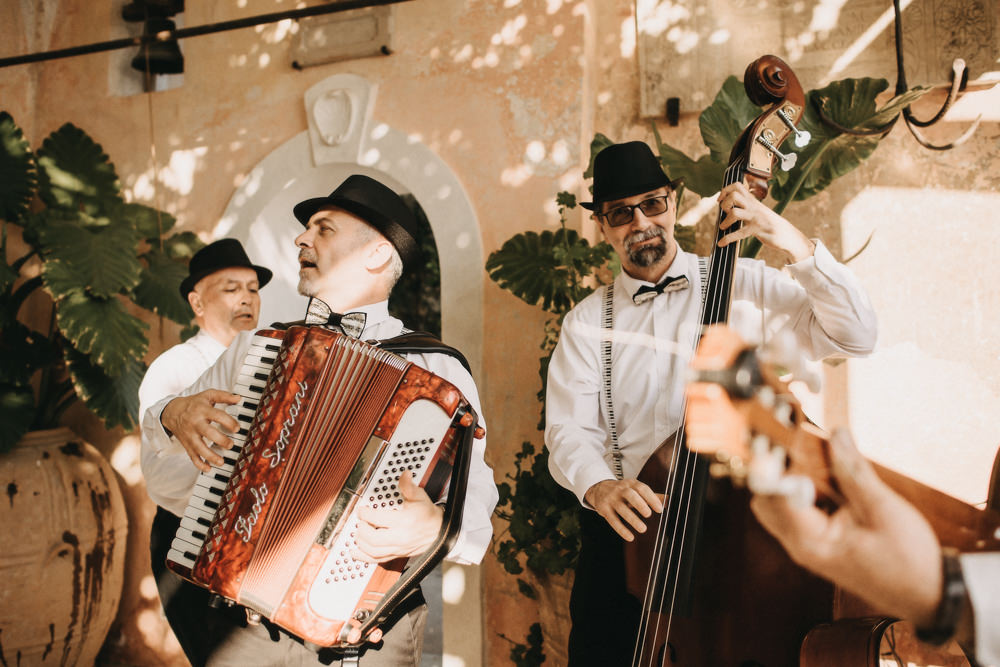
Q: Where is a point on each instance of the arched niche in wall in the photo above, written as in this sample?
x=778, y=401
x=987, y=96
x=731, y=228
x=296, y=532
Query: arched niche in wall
x=341, y=140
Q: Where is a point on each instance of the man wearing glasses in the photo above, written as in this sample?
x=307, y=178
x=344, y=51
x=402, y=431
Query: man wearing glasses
x=616, y=380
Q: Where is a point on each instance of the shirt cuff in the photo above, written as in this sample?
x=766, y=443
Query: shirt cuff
x=815, y=270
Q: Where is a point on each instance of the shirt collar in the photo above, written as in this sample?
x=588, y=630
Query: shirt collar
x=681, y=266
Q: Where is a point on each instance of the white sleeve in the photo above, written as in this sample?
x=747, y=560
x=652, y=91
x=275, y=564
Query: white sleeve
x=481, y=494
x=574, y=434
x=170, y=474
x=981, y=572
x=822, y=303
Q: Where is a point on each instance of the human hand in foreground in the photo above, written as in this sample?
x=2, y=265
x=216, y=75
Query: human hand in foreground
x=759, y=220
x=876, y=545
x=193, y=419
x=624, y=504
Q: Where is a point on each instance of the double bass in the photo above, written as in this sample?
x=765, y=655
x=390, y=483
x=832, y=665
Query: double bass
x=716, y=589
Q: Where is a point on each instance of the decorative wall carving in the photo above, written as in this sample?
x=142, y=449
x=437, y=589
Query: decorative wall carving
x=688, y=47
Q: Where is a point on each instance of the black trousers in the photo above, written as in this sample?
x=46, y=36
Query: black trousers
x=604, y=615
x=221, y=636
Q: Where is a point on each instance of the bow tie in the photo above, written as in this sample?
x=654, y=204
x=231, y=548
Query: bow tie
x=669, y=284
x=349, y=324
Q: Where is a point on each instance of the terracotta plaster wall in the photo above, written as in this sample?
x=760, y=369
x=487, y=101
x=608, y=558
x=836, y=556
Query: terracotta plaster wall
x=509, y=94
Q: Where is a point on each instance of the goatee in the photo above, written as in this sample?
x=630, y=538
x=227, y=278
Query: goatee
x=650, y=253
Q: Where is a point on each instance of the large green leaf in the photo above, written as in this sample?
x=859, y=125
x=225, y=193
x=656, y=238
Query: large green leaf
x=159, y=289
x=102, y=329
x=84, y=253
x=830, y=154
x=149, y=223
x=547, y=269
x=18, y=179
x=74, y=172
x=182, y=246
x=17, y=411
x=115, y=399
x=724, y=120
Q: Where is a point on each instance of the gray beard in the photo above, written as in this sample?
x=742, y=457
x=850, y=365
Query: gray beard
x=647, y=255
x=306, y=288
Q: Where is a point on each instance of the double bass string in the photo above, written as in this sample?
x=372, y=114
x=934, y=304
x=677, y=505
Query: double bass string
x=714, y=308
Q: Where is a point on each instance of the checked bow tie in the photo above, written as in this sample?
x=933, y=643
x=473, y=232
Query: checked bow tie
x=350, y=324
x=669, y=284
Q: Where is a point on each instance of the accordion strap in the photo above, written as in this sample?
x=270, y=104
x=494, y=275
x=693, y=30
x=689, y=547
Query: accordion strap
x=421, y=342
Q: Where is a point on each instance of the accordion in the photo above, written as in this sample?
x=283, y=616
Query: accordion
x=328, y=425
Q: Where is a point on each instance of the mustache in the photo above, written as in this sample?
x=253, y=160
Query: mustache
x=306, y=256
x=640, y=236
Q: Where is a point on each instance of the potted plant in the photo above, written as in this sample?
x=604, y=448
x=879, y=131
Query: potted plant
x=67, y=233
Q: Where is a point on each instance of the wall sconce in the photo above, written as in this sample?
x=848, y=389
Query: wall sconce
x=159, y=56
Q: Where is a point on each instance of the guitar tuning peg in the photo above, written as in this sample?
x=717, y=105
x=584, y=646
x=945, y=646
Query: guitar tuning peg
x=783, y=411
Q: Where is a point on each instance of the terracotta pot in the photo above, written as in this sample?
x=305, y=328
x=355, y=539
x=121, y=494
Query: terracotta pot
x=62, y=550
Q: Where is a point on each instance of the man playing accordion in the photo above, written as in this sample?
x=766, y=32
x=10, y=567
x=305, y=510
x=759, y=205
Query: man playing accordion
x=352, y=251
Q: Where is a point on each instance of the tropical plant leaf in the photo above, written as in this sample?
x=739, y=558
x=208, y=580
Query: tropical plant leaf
x=159, y=288
x=182, y=246
x=93, y=254
x=17, y=411
x=22, y=351
x=546, y=269
x=74, y=172
x=830, y=154
x=102, y=329
x=18, y=179
x=702, y=176
x=598, y=144
x=149, y=223
x=724, y=120
x=115, y=399
x=891, y=109
x=7, y=274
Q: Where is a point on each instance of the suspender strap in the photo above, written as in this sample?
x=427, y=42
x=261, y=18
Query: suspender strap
x=607, y=324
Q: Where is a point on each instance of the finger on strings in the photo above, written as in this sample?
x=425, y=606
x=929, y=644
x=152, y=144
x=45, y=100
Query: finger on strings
x=637, y=502
x=632, y=519
x=652, y=499
x=858, y=481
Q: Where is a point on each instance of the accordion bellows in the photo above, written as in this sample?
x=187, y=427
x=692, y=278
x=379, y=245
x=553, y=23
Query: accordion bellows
x=333, y=427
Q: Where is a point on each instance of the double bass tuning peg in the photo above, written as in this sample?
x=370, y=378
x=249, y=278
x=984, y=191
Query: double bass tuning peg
x=802, y=138
x=788, y=160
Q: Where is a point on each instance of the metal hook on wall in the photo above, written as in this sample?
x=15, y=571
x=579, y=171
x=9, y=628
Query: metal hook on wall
x=959, y=78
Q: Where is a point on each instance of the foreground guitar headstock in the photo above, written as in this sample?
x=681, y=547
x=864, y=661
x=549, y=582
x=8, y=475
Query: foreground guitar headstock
x=743, y=416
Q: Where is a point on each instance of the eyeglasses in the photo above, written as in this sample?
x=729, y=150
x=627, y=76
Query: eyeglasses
x=622, y=215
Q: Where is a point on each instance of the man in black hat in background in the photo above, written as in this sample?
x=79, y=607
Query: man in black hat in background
x=609, y=407
x=223, y=290
x=352, y=251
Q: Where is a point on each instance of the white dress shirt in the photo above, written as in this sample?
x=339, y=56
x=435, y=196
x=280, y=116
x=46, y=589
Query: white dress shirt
x=981, y=572
x=822, y=304
x=176, y=369
x=170, y=475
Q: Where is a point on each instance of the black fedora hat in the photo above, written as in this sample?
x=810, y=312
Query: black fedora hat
x=374, y=203
x=625, y=170
x=218, y=255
